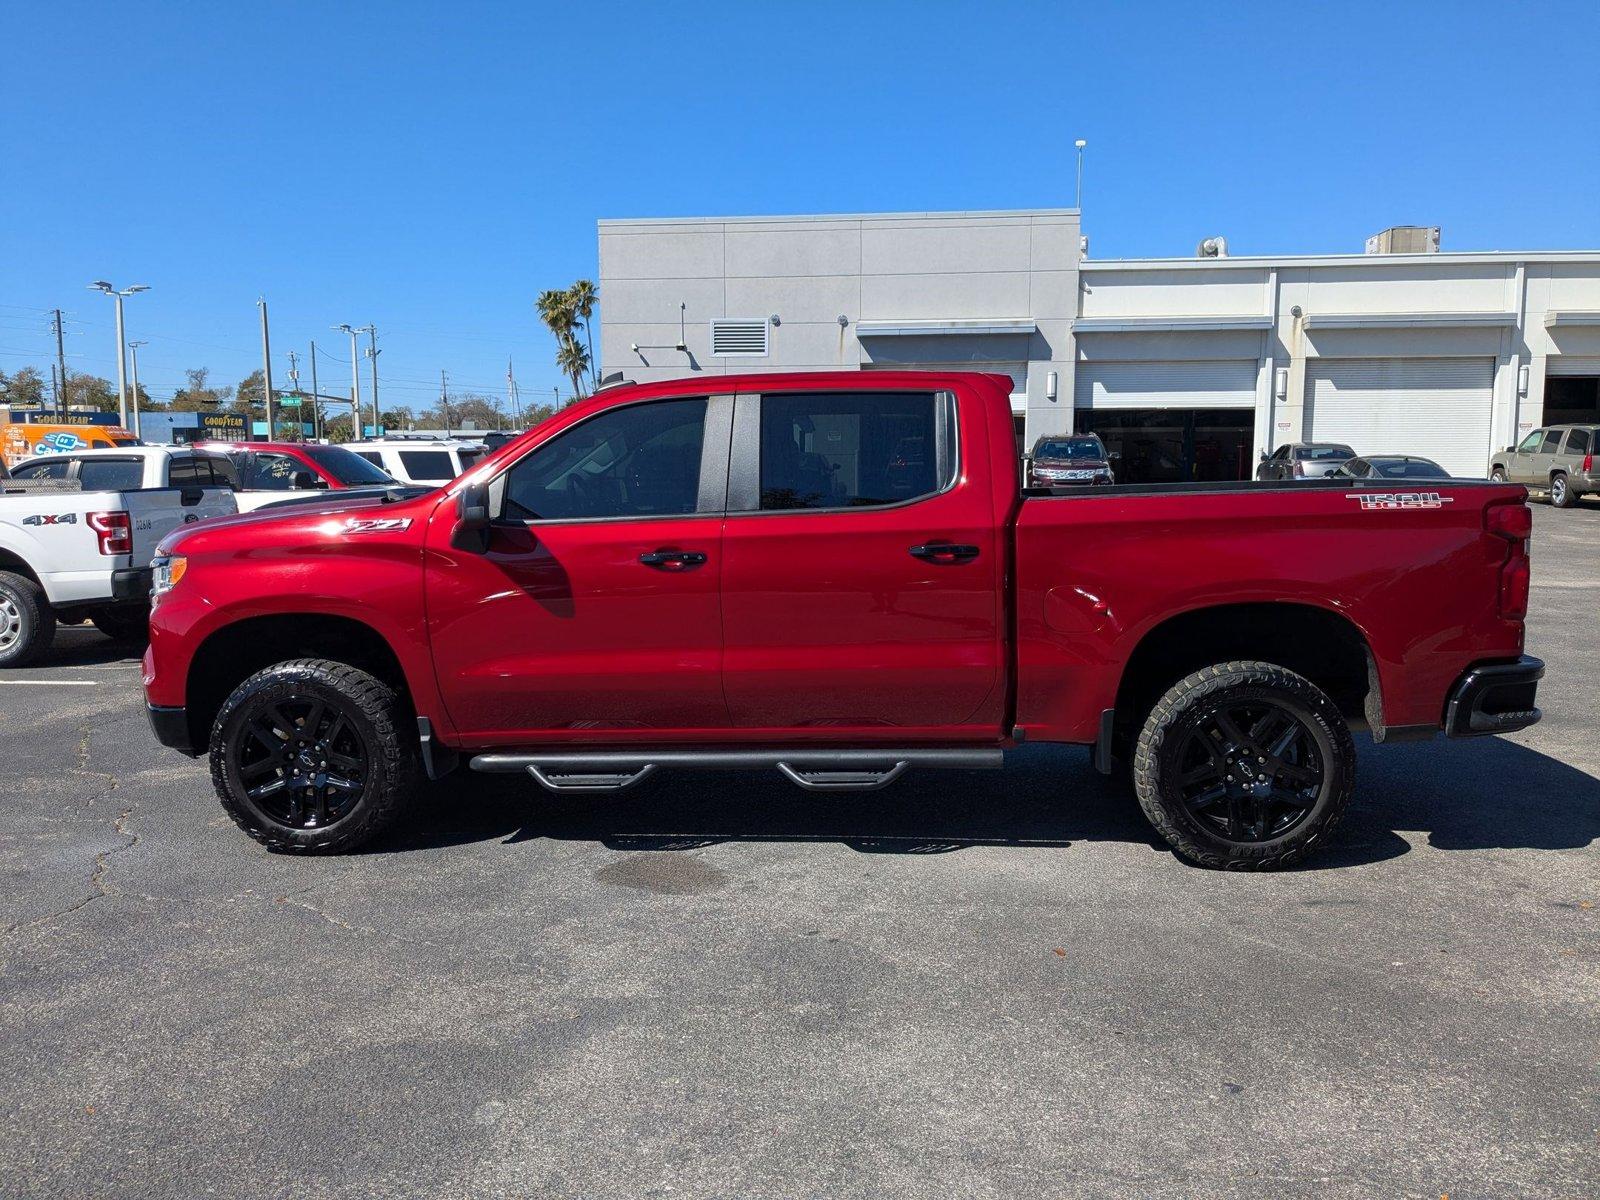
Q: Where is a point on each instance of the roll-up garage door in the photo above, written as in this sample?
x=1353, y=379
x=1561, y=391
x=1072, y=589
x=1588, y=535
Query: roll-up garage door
x=1437, y=407
x=1223, y=383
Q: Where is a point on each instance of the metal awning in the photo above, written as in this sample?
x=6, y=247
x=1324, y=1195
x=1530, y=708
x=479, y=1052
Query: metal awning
x=1210, y=324
x=1571, y=319
x=985, y=325
x=1411, y=320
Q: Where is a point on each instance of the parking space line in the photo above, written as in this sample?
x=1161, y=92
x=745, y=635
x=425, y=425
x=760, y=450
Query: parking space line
x=49, y=683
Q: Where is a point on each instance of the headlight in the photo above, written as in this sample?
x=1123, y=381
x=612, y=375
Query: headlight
x=164, y=575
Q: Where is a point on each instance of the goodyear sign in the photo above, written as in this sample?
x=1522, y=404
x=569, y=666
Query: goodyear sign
x=71, y=418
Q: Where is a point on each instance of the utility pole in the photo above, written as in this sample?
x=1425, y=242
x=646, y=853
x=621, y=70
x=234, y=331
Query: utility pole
x=61, y=377
x=294, y=387
x=266, y=370
x=133, y=348
x=55, y=389
x=316, y=398
x=355, y=380
x=444, y=400
x=372, y=355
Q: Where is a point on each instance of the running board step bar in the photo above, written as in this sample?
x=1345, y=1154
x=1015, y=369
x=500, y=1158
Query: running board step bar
x=814, y=770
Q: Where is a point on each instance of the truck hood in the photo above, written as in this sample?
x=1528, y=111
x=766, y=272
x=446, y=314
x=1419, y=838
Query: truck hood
x=293, y=523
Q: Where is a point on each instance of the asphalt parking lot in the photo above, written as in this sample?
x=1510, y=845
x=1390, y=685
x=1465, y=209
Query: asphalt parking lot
x=971, y=984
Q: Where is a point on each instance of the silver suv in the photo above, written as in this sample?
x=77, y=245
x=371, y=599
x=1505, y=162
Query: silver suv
x=1557, y=458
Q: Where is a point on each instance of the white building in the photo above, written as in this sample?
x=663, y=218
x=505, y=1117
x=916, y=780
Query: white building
x=1191, y=368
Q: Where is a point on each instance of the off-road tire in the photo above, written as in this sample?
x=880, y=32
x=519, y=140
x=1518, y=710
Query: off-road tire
x=1561, y=494
x=124, y=623
x=26, y=623
x=1183, y=707
x=382, y=720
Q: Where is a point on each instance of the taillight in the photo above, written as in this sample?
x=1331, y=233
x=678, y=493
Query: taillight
x=1514, y=523
x=114, y=530
x=1588, y=463
x=1299, y=471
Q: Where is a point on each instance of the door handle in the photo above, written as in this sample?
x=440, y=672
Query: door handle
x=672, y=558
x=944, y=552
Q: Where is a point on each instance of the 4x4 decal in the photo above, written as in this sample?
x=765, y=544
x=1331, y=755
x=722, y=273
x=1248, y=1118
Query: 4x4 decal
x=51, y=519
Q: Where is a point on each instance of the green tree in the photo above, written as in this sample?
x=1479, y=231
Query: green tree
x=584, y=296
x=25, y=387
x=90, y=391
x=197, y=394
x=558, y=310
x=251, y=394
x=465, y=411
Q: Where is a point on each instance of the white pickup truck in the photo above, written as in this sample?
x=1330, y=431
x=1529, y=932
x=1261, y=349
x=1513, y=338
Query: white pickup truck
x=78, y=531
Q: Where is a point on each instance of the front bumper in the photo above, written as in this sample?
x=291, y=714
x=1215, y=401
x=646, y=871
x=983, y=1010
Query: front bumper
x=171, y=726
x=1494, y=698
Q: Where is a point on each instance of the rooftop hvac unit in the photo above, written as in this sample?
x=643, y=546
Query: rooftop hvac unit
x=1405, y=239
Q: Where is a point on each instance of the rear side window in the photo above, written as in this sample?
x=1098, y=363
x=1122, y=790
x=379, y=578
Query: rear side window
x=1579, y=441
x=111, y=474
x=428, y=466
x=184, y=472
x=641, y=460
x=1552, y=442
x=854, y=449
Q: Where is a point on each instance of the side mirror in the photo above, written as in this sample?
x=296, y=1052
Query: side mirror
x=471, y=530
x=1263, y=456
x=1113, y=456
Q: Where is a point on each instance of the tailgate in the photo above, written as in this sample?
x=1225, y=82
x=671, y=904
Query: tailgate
x=156, y=512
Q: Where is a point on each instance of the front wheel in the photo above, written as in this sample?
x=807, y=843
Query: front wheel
x=313, y=756
x=1244, y=765
x=1497, y=475
x=1560, y=492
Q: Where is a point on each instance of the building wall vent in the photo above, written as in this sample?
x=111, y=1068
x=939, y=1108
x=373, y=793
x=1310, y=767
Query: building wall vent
x=738, y=338
x=1405, y=239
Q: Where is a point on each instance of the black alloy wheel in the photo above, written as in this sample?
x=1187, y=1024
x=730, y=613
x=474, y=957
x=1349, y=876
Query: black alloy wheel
x=1250, y=770
x=302, y=762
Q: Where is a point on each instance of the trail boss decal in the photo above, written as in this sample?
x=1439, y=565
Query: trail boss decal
x=377, y=524
x=51, y=519
x=1388, y=501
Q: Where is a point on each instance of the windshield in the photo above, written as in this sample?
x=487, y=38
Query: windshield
x=1324, y=453
x=346, y=467
x=1071, y=448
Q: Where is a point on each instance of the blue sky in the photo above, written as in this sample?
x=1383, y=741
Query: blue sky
x=432, y=167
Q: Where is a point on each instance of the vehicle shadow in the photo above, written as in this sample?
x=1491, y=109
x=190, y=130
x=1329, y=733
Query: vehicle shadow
x=85, y=646
x=1489, y=793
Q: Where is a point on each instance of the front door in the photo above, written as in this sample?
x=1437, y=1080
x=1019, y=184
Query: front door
x=861, y=570
x=594, y=612
x=1524, y=460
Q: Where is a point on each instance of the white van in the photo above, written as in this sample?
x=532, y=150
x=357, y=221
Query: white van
x=431, y=461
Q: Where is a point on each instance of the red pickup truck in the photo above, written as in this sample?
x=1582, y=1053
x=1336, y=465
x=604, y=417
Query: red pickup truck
x=837, y=576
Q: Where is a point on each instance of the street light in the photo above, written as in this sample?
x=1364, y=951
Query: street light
x=100, y=285
x=138, y=428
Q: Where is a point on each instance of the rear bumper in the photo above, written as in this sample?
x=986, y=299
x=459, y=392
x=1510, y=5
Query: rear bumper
x=171, y=726
x=1494, y=698
x=131, y=583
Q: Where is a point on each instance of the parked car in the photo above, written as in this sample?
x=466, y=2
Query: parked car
x=1070, y=460
x=77, y=533
x=1560, y=459
x=419, y=460
x=267, y=471
x=660, y=577
x=1303, y=460
x=1390, y=466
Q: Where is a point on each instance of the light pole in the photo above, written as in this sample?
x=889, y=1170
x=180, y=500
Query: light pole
x=100, y=285
x=1079, y=145
x=133, y=349
x=355, y=379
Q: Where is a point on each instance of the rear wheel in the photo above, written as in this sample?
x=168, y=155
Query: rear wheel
x=1244, y=765
x=313, y=756
x=1560, y=493
x=27, y=625
x=127, y=623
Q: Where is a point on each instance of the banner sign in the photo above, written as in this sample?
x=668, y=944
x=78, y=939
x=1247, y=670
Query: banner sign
x=71, y=418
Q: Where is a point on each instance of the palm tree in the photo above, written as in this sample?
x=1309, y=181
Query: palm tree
x=574, y=360
x=583, y=296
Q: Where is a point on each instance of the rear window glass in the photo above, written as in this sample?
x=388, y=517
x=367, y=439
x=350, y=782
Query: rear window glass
x=1324, y=453
x=111, y=474
x=1412, y=468
x=433, y=466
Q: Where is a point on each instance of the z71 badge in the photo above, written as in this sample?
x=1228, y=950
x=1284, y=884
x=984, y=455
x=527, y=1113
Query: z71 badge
x=377, y=524
x=1389, y=501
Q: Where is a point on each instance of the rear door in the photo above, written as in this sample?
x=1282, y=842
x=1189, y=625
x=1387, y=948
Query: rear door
x=862, y=571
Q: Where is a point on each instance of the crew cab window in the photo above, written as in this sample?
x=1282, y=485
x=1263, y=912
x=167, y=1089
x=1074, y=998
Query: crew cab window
x=55, y=468
x=1578, y=442
x=276, y=473
x=1552, y=442
x=641, y=460
x=110, y=474
x=188, y=472
x=1530, y=443
x=854, y=449
x=428, y=466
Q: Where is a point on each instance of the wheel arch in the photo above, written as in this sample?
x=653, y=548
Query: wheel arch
x=17, y=565
x=232, y=653
x=1325, y=646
